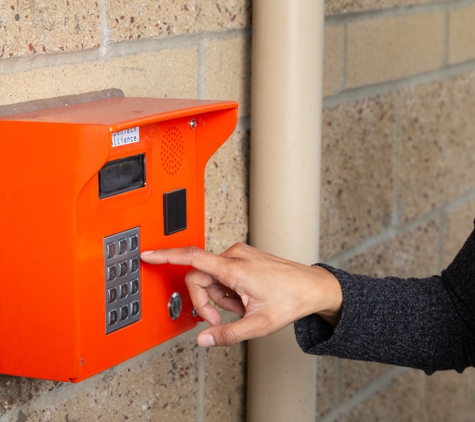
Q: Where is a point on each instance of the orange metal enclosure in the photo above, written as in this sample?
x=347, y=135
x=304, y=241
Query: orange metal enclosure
x=83, y=189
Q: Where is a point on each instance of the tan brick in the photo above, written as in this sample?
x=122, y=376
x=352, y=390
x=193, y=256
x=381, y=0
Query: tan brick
x=335, y=7
x=461, y=34
x=412, y=254
x=43, y=27
x=459, y=225
x=143, y=75
x=225, y=384
x=449, y=396
x=435, y=158
x=227, y=193
x=161, y=387
x=389, y=48
x=228, y=71
x=409, y=396
x=376, y=408
x=327, y=384
x=148, y=18
x=357, y=186
x=333, y=59
x=356, y=375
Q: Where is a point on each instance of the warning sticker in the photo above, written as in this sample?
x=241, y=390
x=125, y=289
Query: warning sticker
x=126, y=136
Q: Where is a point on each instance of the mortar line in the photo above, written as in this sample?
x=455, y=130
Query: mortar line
x=113, y=50
x=200, y=415
x=345, y=56
x=104, y=30
x=395, y=160
x=201, y=85
x=356, y=94
x=391, y=232
x=447, y=35
x=339, y=374
x=391, y=403
x=364, y=394
x=442, y=235
x=395, y=11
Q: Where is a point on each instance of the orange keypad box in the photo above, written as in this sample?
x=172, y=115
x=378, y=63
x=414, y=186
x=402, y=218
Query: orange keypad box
x=84, y=189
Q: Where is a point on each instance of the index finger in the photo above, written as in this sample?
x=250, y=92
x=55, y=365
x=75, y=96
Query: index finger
x=198, y=258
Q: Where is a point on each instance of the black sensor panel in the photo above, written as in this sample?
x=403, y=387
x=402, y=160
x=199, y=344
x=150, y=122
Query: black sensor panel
x=174, y=211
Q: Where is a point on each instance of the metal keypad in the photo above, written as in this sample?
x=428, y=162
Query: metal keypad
x=122, y=279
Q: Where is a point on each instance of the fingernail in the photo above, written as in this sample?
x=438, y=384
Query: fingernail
x=145, y=253
x=206, y=340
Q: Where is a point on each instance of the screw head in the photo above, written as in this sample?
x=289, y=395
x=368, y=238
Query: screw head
x=193, y=123
x=194, y=313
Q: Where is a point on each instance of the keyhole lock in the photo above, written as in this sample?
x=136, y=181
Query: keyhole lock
x=175, y=305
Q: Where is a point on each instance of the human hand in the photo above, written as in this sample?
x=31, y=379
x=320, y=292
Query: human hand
x=269, y=292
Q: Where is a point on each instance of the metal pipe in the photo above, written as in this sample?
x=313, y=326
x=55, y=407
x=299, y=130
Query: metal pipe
x=287, y=61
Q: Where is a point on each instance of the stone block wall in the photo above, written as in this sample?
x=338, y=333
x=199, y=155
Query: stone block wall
x=398, y=187
x=398, y=196
x=173, y=48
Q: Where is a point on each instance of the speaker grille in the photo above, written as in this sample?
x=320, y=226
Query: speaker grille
x=172, y=150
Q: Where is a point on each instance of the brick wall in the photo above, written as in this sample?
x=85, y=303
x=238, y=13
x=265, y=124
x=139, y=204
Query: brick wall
x=398, y=196
x=398, y=187
x=183, y=49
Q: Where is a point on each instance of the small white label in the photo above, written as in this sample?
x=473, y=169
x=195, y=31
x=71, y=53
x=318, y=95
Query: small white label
x=126, y=136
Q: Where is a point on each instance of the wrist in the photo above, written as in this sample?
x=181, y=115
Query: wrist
x=327, y=297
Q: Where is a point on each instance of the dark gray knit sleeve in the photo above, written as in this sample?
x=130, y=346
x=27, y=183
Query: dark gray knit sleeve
x=421, y=323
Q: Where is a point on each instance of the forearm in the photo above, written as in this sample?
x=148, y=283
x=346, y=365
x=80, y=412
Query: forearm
x=423, y=323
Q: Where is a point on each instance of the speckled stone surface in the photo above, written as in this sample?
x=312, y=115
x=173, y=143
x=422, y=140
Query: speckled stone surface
x=228, y=71
x=16, y=391
x=409, y=398
x=436, y=157
x=414, y=253
x=357, y=375
x=146, y=19
x=356, y=172
x=387, y=48
x=449, y=396
x=227, y=194
x=461, y=34
x=161, y=387
x=35, y=27
x=225, y=384
x=443, y=396
x=336, y=7
x=458, y=226
x=165, y=73
x=333, y=59
x=375, y=408
x=328, y=383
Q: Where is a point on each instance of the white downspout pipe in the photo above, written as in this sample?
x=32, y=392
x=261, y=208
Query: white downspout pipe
x=287, y=60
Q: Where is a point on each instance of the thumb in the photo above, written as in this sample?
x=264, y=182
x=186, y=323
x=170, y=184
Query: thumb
x=246, y=328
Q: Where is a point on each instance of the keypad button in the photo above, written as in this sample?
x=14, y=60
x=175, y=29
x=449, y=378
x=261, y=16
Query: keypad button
x=124, y=290
x=111, y=273
x=122, y=246
x=134, y=264
x=134, y=242
x=134, y=286
x=122, y=281
x=124, y=312
x=112, y=295
x=112, y=317
x=123, y=269
x=111, y=250
x=134, y=308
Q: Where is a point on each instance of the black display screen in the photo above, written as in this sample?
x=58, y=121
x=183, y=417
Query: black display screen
x=122, y=175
